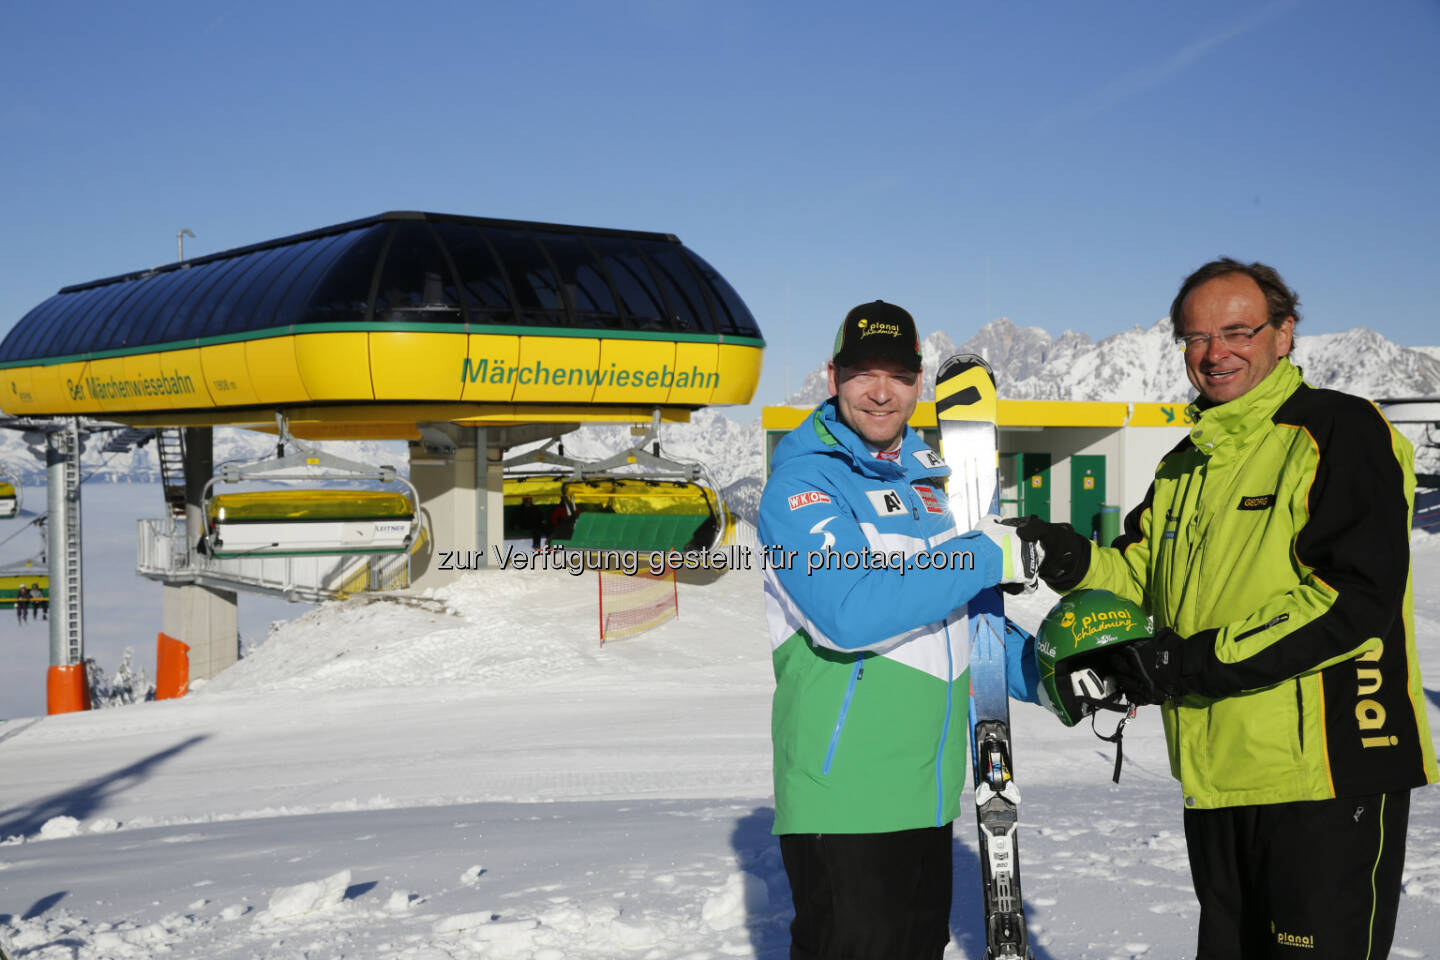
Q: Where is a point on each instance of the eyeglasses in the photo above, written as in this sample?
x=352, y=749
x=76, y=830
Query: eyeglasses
x=1237, y=338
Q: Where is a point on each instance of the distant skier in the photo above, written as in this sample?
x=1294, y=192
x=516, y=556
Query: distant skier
x=22, y=603
x=1273, y=551
x=40, y=599
x=870, y=656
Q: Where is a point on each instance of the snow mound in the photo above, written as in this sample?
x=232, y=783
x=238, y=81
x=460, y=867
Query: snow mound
x=491, y=630
x=365, y=644
x=59, y=827
x=743, y=895
x=315, y=896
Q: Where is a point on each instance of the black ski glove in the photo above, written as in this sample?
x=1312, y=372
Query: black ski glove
x=1066, y=554
x=1145, y=670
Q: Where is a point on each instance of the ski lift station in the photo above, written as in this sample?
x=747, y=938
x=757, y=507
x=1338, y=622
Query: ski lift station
x=1081, y=462
x=462, y=336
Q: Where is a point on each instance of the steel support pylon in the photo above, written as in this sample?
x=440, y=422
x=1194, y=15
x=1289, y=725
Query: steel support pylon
x=67, y=616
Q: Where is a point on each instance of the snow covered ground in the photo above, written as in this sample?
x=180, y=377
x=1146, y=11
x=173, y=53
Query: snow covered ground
x=476, y=777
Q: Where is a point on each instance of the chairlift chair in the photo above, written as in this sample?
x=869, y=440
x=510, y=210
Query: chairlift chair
x=300, y=520
x=685, y=505
x=12, y=495
x=12, y=578
x=33, y=572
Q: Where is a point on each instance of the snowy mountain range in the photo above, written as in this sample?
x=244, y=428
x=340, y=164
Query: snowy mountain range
x=23, y=455
x=1139, y=364
x=1143, y=364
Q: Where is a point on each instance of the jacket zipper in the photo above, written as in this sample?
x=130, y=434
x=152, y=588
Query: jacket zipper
x=1300, y=713
x=855, y=674
x=945, y=732
x=1272, y=622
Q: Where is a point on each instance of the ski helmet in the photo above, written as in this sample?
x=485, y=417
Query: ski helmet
x=1075, y=628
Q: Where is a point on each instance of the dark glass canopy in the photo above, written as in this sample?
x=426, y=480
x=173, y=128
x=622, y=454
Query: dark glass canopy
x=396, y=269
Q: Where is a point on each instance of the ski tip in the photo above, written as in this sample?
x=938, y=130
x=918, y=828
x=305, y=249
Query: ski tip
x=965, y=390
x=959, y=362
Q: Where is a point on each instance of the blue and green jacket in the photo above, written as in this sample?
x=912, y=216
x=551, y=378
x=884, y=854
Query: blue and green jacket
x=866, y=581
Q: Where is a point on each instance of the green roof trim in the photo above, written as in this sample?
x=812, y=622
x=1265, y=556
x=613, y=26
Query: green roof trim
x=390, y=327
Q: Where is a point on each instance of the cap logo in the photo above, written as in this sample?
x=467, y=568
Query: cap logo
x=867, y=328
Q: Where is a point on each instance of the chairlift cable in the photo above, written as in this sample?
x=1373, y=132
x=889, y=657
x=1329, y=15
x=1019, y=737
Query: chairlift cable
x=40, y=518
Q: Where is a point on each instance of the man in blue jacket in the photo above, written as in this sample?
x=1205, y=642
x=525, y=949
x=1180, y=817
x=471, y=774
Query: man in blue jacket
x=866, y=581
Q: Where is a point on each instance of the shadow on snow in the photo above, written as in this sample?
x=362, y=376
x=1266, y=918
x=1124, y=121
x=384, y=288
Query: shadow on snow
x=86, y=799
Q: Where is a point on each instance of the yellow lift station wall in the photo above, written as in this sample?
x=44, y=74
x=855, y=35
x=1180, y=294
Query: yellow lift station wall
x=403, y=308
x=1030, y=413
x=1008, y=413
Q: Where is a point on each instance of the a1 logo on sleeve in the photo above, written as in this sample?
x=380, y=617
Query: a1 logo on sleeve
x=886, y=502
x=807, y=498
x=929, y=459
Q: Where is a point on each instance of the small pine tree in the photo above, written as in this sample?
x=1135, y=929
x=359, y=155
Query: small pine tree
x=128, y=684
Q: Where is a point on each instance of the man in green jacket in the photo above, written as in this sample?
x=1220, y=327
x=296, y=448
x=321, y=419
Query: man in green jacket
x=1273, y=551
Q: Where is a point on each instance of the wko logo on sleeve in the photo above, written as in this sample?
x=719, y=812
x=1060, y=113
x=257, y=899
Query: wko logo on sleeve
x=807, y=498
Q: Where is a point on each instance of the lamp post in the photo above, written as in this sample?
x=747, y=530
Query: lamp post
x=180, y=241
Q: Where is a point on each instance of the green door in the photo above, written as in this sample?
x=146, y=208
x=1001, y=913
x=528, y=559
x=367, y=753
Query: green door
x=1035, y=485
x=1087, y=492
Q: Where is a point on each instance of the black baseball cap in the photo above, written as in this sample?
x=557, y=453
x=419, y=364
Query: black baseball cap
x=877, y=329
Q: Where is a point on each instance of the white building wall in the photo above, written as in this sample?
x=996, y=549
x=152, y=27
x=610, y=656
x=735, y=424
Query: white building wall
x=1142, y=449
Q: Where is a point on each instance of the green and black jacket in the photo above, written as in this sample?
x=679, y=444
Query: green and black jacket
x=1276, y=540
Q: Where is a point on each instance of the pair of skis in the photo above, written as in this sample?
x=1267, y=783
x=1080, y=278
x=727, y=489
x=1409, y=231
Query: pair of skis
x=965, y=406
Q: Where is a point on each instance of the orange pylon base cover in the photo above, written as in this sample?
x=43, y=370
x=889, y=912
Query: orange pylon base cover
x=66, y=689
x=172, y=667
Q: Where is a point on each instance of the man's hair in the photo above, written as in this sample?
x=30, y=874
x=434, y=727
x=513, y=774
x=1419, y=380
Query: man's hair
x=1280, y=300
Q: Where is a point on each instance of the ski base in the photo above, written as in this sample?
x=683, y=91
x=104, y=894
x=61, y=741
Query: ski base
x=997, y=808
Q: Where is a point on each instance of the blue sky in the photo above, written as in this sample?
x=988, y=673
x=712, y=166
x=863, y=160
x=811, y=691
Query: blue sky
x=820, y=155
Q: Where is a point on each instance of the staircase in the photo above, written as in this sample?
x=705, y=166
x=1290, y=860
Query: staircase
x=122, y=440
x=170, y=451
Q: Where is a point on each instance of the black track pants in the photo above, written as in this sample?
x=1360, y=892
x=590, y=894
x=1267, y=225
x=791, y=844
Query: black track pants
x=869, y=896
x=1317, y=880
